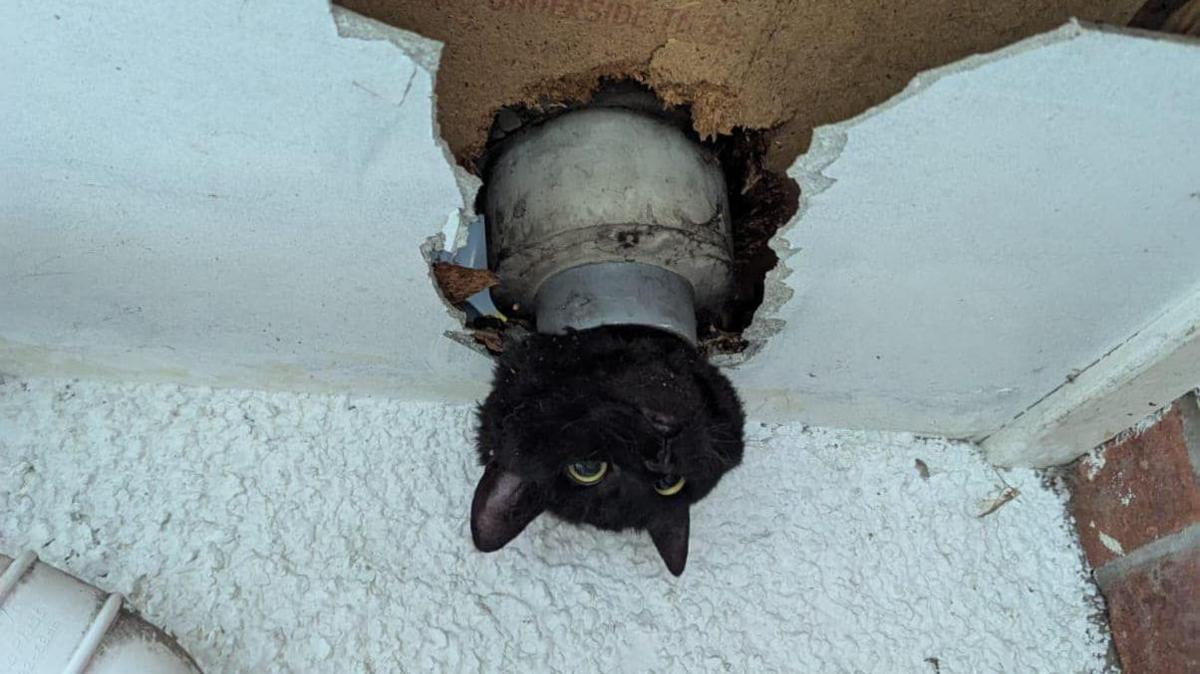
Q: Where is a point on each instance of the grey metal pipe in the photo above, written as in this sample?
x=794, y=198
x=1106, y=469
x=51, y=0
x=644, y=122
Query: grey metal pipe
x=617, y=293
x=607, y=216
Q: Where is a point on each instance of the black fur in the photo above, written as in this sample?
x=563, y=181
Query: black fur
x=642, y=400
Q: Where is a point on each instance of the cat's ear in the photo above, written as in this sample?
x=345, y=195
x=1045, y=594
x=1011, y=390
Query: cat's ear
x=669, y=531
x=504, y=504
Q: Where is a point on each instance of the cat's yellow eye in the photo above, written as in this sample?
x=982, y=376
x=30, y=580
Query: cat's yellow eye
x=587, y=472
x=669, y=485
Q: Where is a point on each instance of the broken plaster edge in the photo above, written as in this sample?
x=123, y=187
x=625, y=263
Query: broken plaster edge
x=828, y=143
x=426, y=53
x=1152, y=367
x=1052, y=431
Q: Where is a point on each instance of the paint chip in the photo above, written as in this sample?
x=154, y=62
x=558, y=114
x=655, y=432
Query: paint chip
x=922, y=469
x=1113, y=545
x=1093, y=463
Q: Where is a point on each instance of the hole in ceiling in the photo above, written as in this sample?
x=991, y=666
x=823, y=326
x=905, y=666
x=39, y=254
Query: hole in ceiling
x=760, y=202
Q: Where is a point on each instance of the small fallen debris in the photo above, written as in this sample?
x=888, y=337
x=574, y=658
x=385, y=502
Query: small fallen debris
x=1005, y=496
x=459, y=283
x=922, y=469
x=491, y=340
x=722, y=342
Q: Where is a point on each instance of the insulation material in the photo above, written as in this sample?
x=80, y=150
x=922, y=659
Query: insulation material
x=775, y=64
x=310, y=533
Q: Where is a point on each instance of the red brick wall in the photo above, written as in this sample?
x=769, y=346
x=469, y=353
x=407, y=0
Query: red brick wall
x=1137, y=508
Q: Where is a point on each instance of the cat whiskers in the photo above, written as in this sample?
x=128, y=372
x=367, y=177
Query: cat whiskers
x=578, y=420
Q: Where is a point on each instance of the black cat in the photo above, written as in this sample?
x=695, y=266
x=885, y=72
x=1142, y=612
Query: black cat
x=617, y=427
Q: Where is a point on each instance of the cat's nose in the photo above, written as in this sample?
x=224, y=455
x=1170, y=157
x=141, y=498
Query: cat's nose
x=666, y=425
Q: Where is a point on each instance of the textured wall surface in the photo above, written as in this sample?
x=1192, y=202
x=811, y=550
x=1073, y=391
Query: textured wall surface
x=280, y=532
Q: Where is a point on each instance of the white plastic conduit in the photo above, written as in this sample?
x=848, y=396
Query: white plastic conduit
x=56, y=624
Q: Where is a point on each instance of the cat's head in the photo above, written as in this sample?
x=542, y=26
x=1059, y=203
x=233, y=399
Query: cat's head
x=617, y=427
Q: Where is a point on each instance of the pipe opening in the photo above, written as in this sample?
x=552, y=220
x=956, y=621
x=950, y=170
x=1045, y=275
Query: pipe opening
x=755, y=203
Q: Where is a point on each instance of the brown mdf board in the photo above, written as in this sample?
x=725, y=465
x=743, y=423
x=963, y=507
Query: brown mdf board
x=785, y=66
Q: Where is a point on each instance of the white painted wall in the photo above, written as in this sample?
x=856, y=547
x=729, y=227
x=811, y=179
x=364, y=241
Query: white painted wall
x=222, y=192
x=1005, y=221
x=1125, y=388
x=309, y=533
x=230, y=193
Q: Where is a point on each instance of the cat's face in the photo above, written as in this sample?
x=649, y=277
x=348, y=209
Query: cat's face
x=614, y=427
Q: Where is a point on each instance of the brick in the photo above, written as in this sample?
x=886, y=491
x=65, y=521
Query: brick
x=1154, y=615
x=1146, y=489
